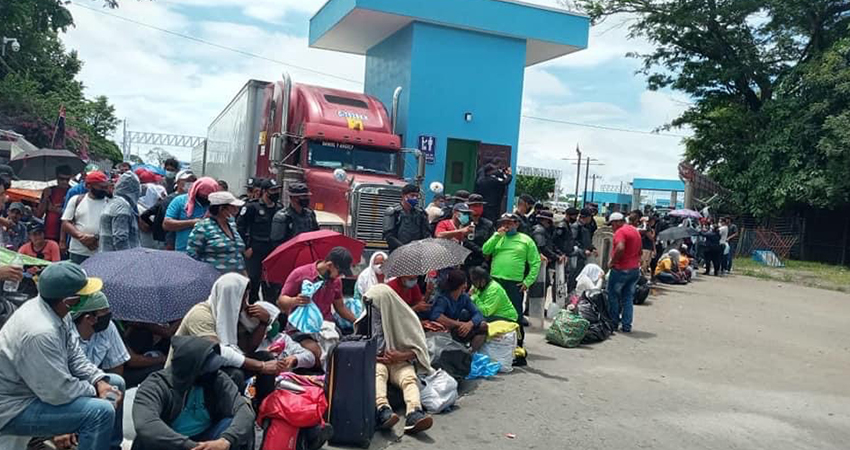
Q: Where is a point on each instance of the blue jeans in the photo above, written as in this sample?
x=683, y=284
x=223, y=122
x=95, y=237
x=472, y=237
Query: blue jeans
x=731, y=256
x=98, y=425
x=621, y=295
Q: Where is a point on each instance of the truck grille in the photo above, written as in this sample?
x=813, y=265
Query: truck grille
x=370, y=203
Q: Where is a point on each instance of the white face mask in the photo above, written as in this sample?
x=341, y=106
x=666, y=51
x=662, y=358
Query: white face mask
x=379, y=269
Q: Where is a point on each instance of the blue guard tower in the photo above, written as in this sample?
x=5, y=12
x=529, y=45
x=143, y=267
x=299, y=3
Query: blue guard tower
x=460, y=65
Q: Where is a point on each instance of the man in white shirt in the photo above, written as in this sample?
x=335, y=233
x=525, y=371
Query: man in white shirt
x=81, y=219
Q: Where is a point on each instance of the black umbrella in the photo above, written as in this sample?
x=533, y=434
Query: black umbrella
x=421, y=257
x=40, y=165
x=676, y=233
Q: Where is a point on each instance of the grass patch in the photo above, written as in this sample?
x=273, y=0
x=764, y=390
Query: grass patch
x=812, y=274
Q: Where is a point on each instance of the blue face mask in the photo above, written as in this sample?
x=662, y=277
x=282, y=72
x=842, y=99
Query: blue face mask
x=511, y=232
x=413, y=202
x=463, y=219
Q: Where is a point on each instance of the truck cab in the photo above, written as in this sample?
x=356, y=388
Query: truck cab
x=312, y=132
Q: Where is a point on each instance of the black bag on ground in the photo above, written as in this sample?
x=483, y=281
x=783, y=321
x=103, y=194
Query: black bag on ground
x=449, y=355
x=350, y=387
x=641, y=291
x=593, y=306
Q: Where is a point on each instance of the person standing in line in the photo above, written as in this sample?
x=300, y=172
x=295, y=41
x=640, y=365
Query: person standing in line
x=407, y=221
x=625, y=271
x=492, y=184
x=81, y=219
x=523, y=212
x=255, y=226
x=435, y=208
x=647, y=243
x=296, y=218
x=511, y=251
x=214, y=240
x=119, y=223
x=50, y=207
x=583, y=239
x=155, y=217
x=713, y=249
x=186, y=210
x=732, y=240
x=458, y=227
x=724, y=239
x=171, y=166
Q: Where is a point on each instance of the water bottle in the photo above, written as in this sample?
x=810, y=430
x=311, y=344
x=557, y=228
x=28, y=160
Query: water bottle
x=9, y=285
x=471, y=235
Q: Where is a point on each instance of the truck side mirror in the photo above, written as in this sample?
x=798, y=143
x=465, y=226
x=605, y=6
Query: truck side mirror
x=276, y=148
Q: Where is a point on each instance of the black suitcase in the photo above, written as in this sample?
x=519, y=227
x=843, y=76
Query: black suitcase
x=350, y=387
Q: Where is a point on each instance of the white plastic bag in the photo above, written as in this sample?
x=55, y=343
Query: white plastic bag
x=501, y=349
x=437, y=392
x=129, y=428
x=328, y=338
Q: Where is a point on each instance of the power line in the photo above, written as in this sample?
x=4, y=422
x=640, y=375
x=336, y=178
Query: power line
x=216, y=45
x=603, y=127
x=350, y=80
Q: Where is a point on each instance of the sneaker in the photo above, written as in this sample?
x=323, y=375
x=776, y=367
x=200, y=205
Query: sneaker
x=626, y=329
x=386, y=418
x=417, y=422
x=524, y=322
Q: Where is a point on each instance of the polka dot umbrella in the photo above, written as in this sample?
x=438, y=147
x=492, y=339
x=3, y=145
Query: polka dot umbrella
x=151, y=286
x=421, y=257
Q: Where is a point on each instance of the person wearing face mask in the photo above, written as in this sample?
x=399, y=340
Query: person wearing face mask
x=81, y=219
x=544, y=238
x=435, y=208
x=459, y=226
x=192, y=404
x=370, y=276
x=48, y=386
x=510, y=251
x=186, y=210
x=119, y=223
x=171, y=166
x=455, y=310
x=255, y=225
x=407, y=221
x=215, y=239
x=297, y=218
x=407, y=288
x=483, y=229
x=154, y=217
x=490, y=297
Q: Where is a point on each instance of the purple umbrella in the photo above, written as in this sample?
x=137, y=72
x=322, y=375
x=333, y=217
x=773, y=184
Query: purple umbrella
x=151, y=286
x=685, y=213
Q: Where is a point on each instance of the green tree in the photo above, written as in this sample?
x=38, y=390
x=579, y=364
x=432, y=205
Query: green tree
x=769, y=84
x=40, y=78
x=538, y=187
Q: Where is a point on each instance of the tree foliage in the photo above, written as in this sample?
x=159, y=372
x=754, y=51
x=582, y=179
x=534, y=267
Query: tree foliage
x=771, y=88
x=538, y=187
x=40, y=78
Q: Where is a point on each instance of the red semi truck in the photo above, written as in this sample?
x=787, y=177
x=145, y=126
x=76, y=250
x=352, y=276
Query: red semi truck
x=340, y=143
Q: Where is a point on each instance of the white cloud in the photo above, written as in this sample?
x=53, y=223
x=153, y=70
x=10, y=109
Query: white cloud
x=539, y=82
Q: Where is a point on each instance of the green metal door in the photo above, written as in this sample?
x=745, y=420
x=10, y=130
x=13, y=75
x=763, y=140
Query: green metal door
x=461, y=165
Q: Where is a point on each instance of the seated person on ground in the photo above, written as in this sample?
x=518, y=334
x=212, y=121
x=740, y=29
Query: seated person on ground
x=329, y=271
x=490, y=297
x=221, y=318
x=455, y=311
x=192, y=404
x=667, y=271
x=401, y=351
x=407, y=288
x=47, y=385
x=38, y=246
x=685, y=266
x=148, y=346
x=370, y=276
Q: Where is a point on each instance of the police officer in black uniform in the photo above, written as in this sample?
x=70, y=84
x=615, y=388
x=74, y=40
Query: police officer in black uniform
x=255, y=225
x=583, y=239
x=297, y=218
x=407, y=221
x=251, y=190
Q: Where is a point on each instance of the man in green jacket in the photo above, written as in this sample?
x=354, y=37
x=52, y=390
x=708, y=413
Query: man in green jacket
x=510, y=251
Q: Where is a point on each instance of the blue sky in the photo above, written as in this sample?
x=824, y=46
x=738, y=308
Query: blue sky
x=163, y=83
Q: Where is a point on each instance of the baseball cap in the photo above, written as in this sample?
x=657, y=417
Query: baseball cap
x=461, y=195
x=17, y=205
x=8, y=172
x=65, y=279
x=571, y=211
x=476, y=199
x=342, y=259
x=586, y=212
x=35, y=227
x=252, y=182
x=224, y=198
x=298, y=189
x=96, y=177
x=461, y=207
x=545, y=214
x=508, y=217
x=267, y=184
x=614, y=217
x=185, y=175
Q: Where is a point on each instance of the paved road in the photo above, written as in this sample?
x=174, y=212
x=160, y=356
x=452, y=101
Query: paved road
x=733, y=363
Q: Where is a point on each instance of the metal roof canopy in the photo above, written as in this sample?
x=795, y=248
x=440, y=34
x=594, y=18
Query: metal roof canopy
x=355, y=26
x=649, y=184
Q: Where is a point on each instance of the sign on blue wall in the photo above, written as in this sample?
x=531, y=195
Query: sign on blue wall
x=428, y=147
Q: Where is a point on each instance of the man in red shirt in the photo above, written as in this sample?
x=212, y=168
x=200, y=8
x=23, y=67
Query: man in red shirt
x=625, y=271
x=458, y=227
x=49, y=208
x=407, y=288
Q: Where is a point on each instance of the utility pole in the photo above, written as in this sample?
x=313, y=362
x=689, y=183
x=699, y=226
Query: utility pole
x=578, y=175
x=125, y=149
x=586, y=177
x=593, y=189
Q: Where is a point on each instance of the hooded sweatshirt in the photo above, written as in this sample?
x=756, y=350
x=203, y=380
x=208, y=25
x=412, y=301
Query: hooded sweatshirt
x=162, y=397
x=368, y=277
x=119, y=223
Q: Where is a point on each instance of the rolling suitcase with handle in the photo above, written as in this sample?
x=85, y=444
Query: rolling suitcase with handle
x=350, y=387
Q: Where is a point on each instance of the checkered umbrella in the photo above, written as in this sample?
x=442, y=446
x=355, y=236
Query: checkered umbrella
x=421, y=257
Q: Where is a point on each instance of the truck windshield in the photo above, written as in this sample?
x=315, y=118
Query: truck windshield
x=333, y=155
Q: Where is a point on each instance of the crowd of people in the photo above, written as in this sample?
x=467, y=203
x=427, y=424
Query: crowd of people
x=65, y=363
